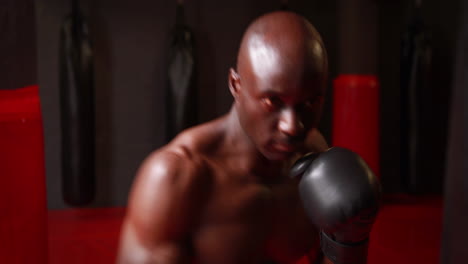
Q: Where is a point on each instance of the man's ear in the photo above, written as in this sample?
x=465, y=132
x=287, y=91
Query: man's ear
x=234, y=82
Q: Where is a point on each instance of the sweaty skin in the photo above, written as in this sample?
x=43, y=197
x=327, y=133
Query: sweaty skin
x=220, y=192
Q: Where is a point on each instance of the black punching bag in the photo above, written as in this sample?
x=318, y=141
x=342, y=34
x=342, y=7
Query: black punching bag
x=181, y=97
x=415, y=64
x=77, y=110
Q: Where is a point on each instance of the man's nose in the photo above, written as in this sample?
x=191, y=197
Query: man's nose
x=290, y=123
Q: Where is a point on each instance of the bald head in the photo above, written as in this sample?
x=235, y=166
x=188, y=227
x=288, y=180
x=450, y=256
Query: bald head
x=282, y=42
x=278, y=87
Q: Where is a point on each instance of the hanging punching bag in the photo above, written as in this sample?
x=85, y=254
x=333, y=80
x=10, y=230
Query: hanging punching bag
x=356, y=119
x=77, y=110
x=415, y=64
x=181, y=103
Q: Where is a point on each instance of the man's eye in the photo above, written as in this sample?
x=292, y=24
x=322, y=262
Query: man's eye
x=273, y=102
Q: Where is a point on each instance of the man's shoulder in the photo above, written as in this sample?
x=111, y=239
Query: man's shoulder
x=183, y=160
x=199, y=140
x=172, y=164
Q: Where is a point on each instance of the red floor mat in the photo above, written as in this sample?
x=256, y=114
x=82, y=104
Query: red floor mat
x=80, y=236
x=407, y=231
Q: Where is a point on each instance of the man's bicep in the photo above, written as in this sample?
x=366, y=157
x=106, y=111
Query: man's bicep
x=134, y=251
x=161, y=203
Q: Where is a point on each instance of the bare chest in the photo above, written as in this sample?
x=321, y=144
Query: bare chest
x=245, y=222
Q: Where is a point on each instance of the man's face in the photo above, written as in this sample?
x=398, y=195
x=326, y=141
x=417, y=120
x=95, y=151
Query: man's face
x=278, y=106
x=279, y=86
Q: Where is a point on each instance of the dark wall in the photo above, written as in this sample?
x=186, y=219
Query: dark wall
x=17, y=42
x=392, y=20
x=130, y=40
x=455, y=230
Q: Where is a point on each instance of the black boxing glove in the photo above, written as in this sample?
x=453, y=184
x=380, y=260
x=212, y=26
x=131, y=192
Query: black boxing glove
x=341, y=196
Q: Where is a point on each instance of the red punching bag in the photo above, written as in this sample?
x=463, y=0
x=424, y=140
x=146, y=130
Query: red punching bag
x=356, y=116
x=23, y=235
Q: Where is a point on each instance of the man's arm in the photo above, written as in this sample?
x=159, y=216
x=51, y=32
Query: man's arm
x=162, y=207
x=352, y=194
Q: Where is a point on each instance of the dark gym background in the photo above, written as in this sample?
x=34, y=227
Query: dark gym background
x=130, y=41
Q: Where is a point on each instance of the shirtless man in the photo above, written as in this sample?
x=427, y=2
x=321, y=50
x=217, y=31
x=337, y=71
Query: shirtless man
x=219, y=193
